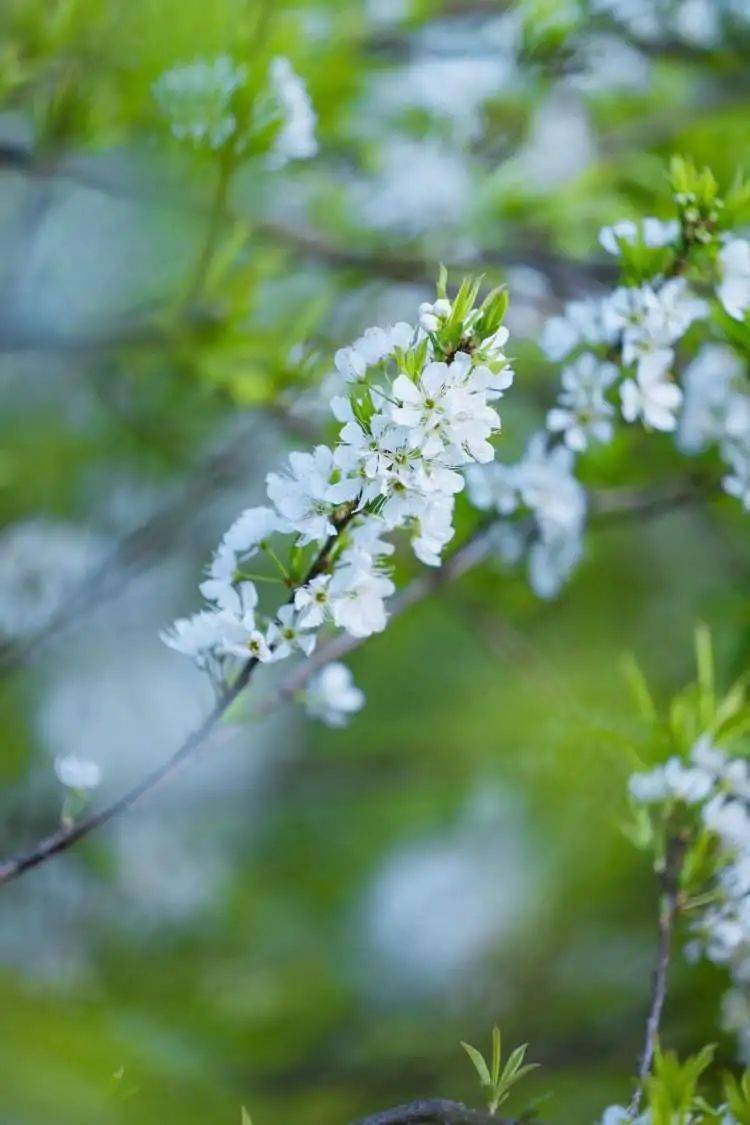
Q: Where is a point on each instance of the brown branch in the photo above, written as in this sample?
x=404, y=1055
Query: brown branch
x=433, y=1111
x=669, y=880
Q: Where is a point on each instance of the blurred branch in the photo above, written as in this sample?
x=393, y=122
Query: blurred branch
x=565, y=275
x=433, y=1111
x=669, y=880
x=134, y=553
x=144, y=546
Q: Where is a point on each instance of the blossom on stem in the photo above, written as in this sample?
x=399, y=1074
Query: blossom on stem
x=77, y=773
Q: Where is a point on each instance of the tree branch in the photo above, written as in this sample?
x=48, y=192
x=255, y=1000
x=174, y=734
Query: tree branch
x=433, y=1111
x=66, y=836
x=564, y=275
x=670, y=904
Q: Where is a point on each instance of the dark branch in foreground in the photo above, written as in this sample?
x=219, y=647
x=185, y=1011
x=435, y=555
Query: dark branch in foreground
x=477, y=548
x=433, y=1111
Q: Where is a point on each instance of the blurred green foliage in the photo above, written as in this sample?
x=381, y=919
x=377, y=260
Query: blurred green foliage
x=145, y=312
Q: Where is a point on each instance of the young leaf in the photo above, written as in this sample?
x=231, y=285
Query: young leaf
x=496, y=1054
x=480, y=1065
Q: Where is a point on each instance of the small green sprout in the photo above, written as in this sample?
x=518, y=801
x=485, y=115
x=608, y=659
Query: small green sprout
x=496, y=1081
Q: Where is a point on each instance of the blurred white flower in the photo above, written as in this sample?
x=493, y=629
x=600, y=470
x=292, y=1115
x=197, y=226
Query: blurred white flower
x=296, y=138
x=77, y=773
x=41, y=563
x=332, y=696
x=734, y=288
x=653, y=232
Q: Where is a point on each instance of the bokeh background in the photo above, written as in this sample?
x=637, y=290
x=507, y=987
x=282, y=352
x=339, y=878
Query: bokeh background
x=307, y=921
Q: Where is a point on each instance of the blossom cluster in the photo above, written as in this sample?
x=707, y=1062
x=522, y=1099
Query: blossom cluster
x=541, y=484
x=418, y=408
x=198, y=99
x=716, y=788
x=618, y=354
x=641, y=326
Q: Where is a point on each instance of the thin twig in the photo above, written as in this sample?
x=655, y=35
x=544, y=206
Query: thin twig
x=669, y=880
x=66, y=837
x=433, y=1111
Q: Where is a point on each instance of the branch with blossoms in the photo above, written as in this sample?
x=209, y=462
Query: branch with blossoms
x=681, y=303
x=415, y=422
x=415, y=414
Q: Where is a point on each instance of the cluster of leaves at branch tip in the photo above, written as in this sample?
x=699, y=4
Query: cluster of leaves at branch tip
x=674, y=1097
x=495, y=1078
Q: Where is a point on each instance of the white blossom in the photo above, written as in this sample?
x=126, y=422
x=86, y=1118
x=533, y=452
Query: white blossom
x=373, y=346
x=714, y=401
x=313, y=601
x=77, y=773
x=307, y=494
x=653, y=232
x=652, y=398
x=433, y=315
x=651, y=320
x=446, y=412
x=286, y=633
x=251, y=528
x=547, y=486
x=583, y=414
x=332, y=696
x=734, y=287
x=552, y=559
x=295, y=139
x=493, y=487
x=357, y=593
x=583, y=322
x=674, y=780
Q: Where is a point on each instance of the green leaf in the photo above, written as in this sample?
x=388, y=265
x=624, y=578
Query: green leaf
x=246, y=1119
x=480, y=1065
x=496, y=1054
x=704, y=658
